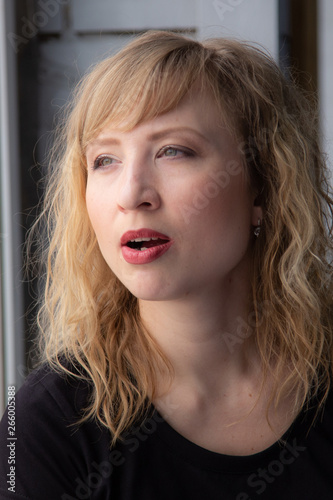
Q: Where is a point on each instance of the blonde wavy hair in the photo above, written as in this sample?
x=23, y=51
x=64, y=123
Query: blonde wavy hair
x=88, y=317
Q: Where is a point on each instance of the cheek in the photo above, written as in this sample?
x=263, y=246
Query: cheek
x=206, y=198
x=92, y=206
x=97, y=211
x=101, y=213
x=221, y=214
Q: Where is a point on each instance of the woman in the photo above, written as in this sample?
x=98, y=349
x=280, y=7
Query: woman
x=186, y=326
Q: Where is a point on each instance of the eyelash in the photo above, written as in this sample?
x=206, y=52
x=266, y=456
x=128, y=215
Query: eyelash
x=185, y=152
x=95, y=165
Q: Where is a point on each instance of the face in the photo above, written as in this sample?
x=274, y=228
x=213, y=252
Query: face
x=170, y=203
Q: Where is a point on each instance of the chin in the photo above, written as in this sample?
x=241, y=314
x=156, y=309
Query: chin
x=157, y=293
x=146, y=285
x=143, y=293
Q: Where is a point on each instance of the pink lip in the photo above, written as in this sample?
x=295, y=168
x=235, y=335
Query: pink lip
x=133, y=256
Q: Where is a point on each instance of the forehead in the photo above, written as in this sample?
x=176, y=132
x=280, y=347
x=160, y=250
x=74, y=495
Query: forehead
x=196, y=112
x=196, y=123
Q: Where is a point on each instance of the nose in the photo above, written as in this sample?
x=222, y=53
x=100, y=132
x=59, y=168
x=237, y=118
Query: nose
x=138, y=188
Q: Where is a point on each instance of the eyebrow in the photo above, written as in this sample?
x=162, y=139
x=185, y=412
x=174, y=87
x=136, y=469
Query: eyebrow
x=107, y=141
x=159, y=135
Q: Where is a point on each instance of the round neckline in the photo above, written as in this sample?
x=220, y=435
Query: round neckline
x=202, y=458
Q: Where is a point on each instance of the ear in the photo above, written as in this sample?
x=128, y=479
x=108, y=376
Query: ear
x=257, y=211
x=257, y=215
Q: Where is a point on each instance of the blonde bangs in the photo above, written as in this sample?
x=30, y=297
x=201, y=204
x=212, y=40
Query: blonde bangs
x=127, y=89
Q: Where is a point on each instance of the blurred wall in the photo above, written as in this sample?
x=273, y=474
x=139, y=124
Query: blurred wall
x=325, y=77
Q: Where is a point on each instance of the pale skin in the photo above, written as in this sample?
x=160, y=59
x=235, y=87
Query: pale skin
x=197, y=291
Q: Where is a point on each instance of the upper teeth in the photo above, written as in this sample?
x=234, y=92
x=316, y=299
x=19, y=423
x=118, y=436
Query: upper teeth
x=142, y=239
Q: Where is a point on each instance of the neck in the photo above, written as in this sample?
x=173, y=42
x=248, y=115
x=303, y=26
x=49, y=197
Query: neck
x=207, y=338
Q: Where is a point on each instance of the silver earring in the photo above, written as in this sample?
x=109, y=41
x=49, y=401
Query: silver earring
x=257, y=229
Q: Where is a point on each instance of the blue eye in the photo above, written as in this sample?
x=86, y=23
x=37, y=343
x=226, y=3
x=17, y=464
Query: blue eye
x=103, y=161
x=170, y=152
x=175, y=152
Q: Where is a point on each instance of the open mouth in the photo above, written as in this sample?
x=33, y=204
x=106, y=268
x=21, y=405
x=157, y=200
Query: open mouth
x=145, y=243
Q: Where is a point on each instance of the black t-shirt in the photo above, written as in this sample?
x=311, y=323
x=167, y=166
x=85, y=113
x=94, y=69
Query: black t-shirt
x=50, y=459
